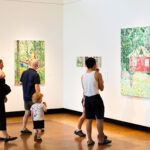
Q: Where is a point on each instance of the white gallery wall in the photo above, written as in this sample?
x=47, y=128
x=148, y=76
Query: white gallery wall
x=81, y=28
x=92, y=28
x=32, y=21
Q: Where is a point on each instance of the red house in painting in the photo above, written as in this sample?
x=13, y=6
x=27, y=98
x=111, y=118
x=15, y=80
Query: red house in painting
x=139, y=60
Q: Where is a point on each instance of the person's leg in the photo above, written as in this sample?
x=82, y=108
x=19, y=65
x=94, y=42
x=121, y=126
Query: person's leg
x=89, y=116
x=81, y=120
x=3, y=124
x=78, y=131
x=39, y=136
x=99, y=123
x=27, y=105
x=5, y=134
x=35, y=134
x=25, y=119
x=89, y=130
x=99, y=107
x=99, y=111
x=3, y=117
x=101, y=140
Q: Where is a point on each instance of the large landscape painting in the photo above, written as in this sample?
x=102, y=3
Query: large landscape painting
x=25, y=51
x=135, y=61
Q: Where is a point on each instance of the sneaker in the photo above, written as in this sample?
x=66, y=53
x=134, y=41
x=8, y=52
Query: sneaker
x=26, y=131
x=9, y=139
x=90, y=144
x=105, y=136
x=79, y=133
x=105, y=142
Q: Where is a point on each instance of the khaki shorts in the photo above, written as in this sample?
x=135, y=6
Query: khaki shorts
x=27, y=105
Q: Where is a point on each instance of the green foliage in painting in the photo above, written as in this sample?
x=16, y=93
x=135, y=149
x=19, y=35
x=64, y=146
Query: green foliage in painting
x=25, y=51
x=79, y=62
x=131, y=39
x=134, y=83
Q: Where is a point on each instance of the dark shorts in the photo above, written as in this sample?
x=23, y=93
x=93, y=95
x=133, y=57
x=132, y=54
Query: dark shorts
x=94, y=107
x=38, y=124
x=27, y=105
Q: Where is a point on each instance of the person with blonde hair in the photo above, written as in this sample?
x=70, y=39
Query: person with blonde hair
x=37, y=113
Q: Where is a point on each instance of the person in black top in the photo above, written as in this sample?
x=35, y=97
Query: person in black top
x=30, y=81
x=4, y=90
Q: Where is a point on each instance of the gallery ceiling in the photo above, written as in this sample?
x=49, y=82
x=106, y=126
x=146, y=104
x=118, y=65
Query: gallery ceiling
x=57, y=2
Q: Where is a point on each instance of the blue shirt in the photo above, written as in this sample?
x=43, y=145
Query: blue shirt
x=29, y=78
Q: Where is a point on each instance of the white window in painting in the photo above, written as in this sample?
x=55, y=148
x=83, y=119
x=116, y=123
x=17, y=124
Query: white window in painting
x=146, y=62
x=134, y=62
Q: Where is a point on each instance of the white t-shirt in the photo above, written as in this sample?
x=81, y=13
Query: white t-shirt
x=37, y=111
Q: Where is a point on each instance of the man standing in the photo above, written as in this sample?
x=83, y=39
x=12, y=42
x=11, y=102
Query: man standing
x=92, y=82
x=30, y=81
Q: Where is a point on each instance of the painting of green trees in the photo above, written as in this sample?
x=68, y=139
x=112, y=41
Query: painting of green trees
x=25, y=51
x=135, y=56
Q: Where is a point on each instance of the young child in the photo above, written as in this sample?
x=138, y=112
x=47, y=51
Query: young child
x=37, y=113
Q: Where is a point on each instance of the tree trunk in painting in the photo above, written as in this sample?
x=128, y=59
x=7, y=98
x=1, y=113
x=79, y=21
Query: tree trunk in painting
x=41, y=55
x=131, y=75
x=35, y=50
x=18, y=63
x=27, y=53
x=34, y=43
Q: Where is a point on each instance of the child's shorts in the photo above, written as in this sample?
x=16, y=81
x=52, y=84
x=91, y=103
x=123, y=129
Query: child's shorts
x=38, y=124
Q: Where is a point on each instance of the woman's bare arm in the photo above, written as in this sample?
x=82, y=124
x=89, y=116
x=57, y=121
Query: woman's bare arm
x=2, y=74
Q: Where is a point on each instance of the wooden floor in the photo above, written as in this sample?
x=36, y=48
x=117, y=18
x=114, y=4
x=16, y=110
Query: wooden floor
x=59, y=135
